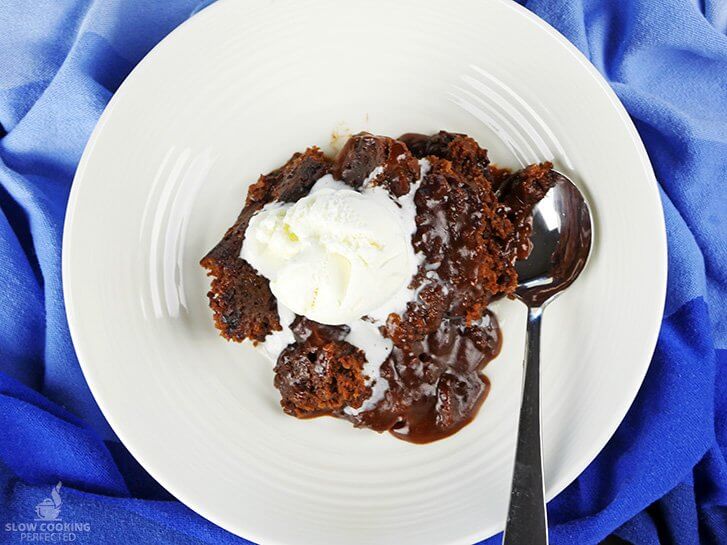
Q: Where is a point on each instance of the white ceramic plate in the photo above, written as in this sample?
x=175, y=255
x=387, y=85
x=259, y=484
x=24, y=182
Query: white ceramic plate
x=233, y=93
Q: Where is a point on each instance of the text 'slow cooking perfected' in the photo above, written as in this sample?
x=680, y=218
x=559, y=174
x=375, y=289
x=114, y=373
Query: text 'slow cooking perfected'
x=366, y=278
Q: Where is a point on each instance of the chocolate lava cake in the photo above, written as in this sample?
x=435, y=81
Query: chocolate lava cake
x=473, y=222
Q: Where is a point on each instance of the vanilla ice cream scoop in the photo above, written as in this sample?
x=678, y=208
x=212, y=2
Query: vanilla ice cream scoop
x=335, y=254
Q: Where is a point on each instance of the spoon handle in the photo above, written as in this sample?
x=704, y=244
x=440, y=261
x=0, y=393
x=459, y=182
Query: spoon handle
x=526, y=517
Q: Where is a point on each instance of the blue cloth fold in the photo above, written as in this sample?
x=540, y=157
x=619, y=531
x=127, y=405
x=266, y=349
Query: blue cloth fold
x=661, y=479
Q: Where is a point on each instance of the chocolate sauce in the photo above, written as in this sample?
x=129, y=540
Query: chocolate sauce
x=435, y=384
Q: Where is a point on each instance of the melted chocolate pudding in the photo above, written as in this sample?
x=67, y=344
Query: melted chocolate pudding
x=473, y=222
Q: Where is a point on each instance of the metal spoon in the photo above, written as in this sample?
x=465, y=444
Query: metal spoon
x=561, y=241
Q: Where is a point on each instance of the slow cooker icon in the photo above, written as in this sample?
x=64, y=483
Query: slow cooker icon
x=50, y=508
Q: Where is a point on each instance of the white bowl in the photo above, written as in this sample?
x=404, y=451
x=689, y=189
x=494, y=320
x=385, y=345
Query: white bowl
x=233, y=93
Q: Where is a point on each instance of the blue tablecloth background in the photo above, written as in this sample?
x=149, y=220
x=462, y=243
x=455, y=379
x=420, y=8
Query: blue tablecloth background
x=661, y=479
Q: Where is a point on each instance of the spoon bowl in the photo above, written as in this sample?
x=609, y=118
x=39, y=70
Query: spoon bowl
x=561, y=242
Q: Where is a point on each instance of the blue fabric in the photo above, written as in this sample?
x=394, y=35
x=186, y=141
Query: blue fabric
x=661, y=479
